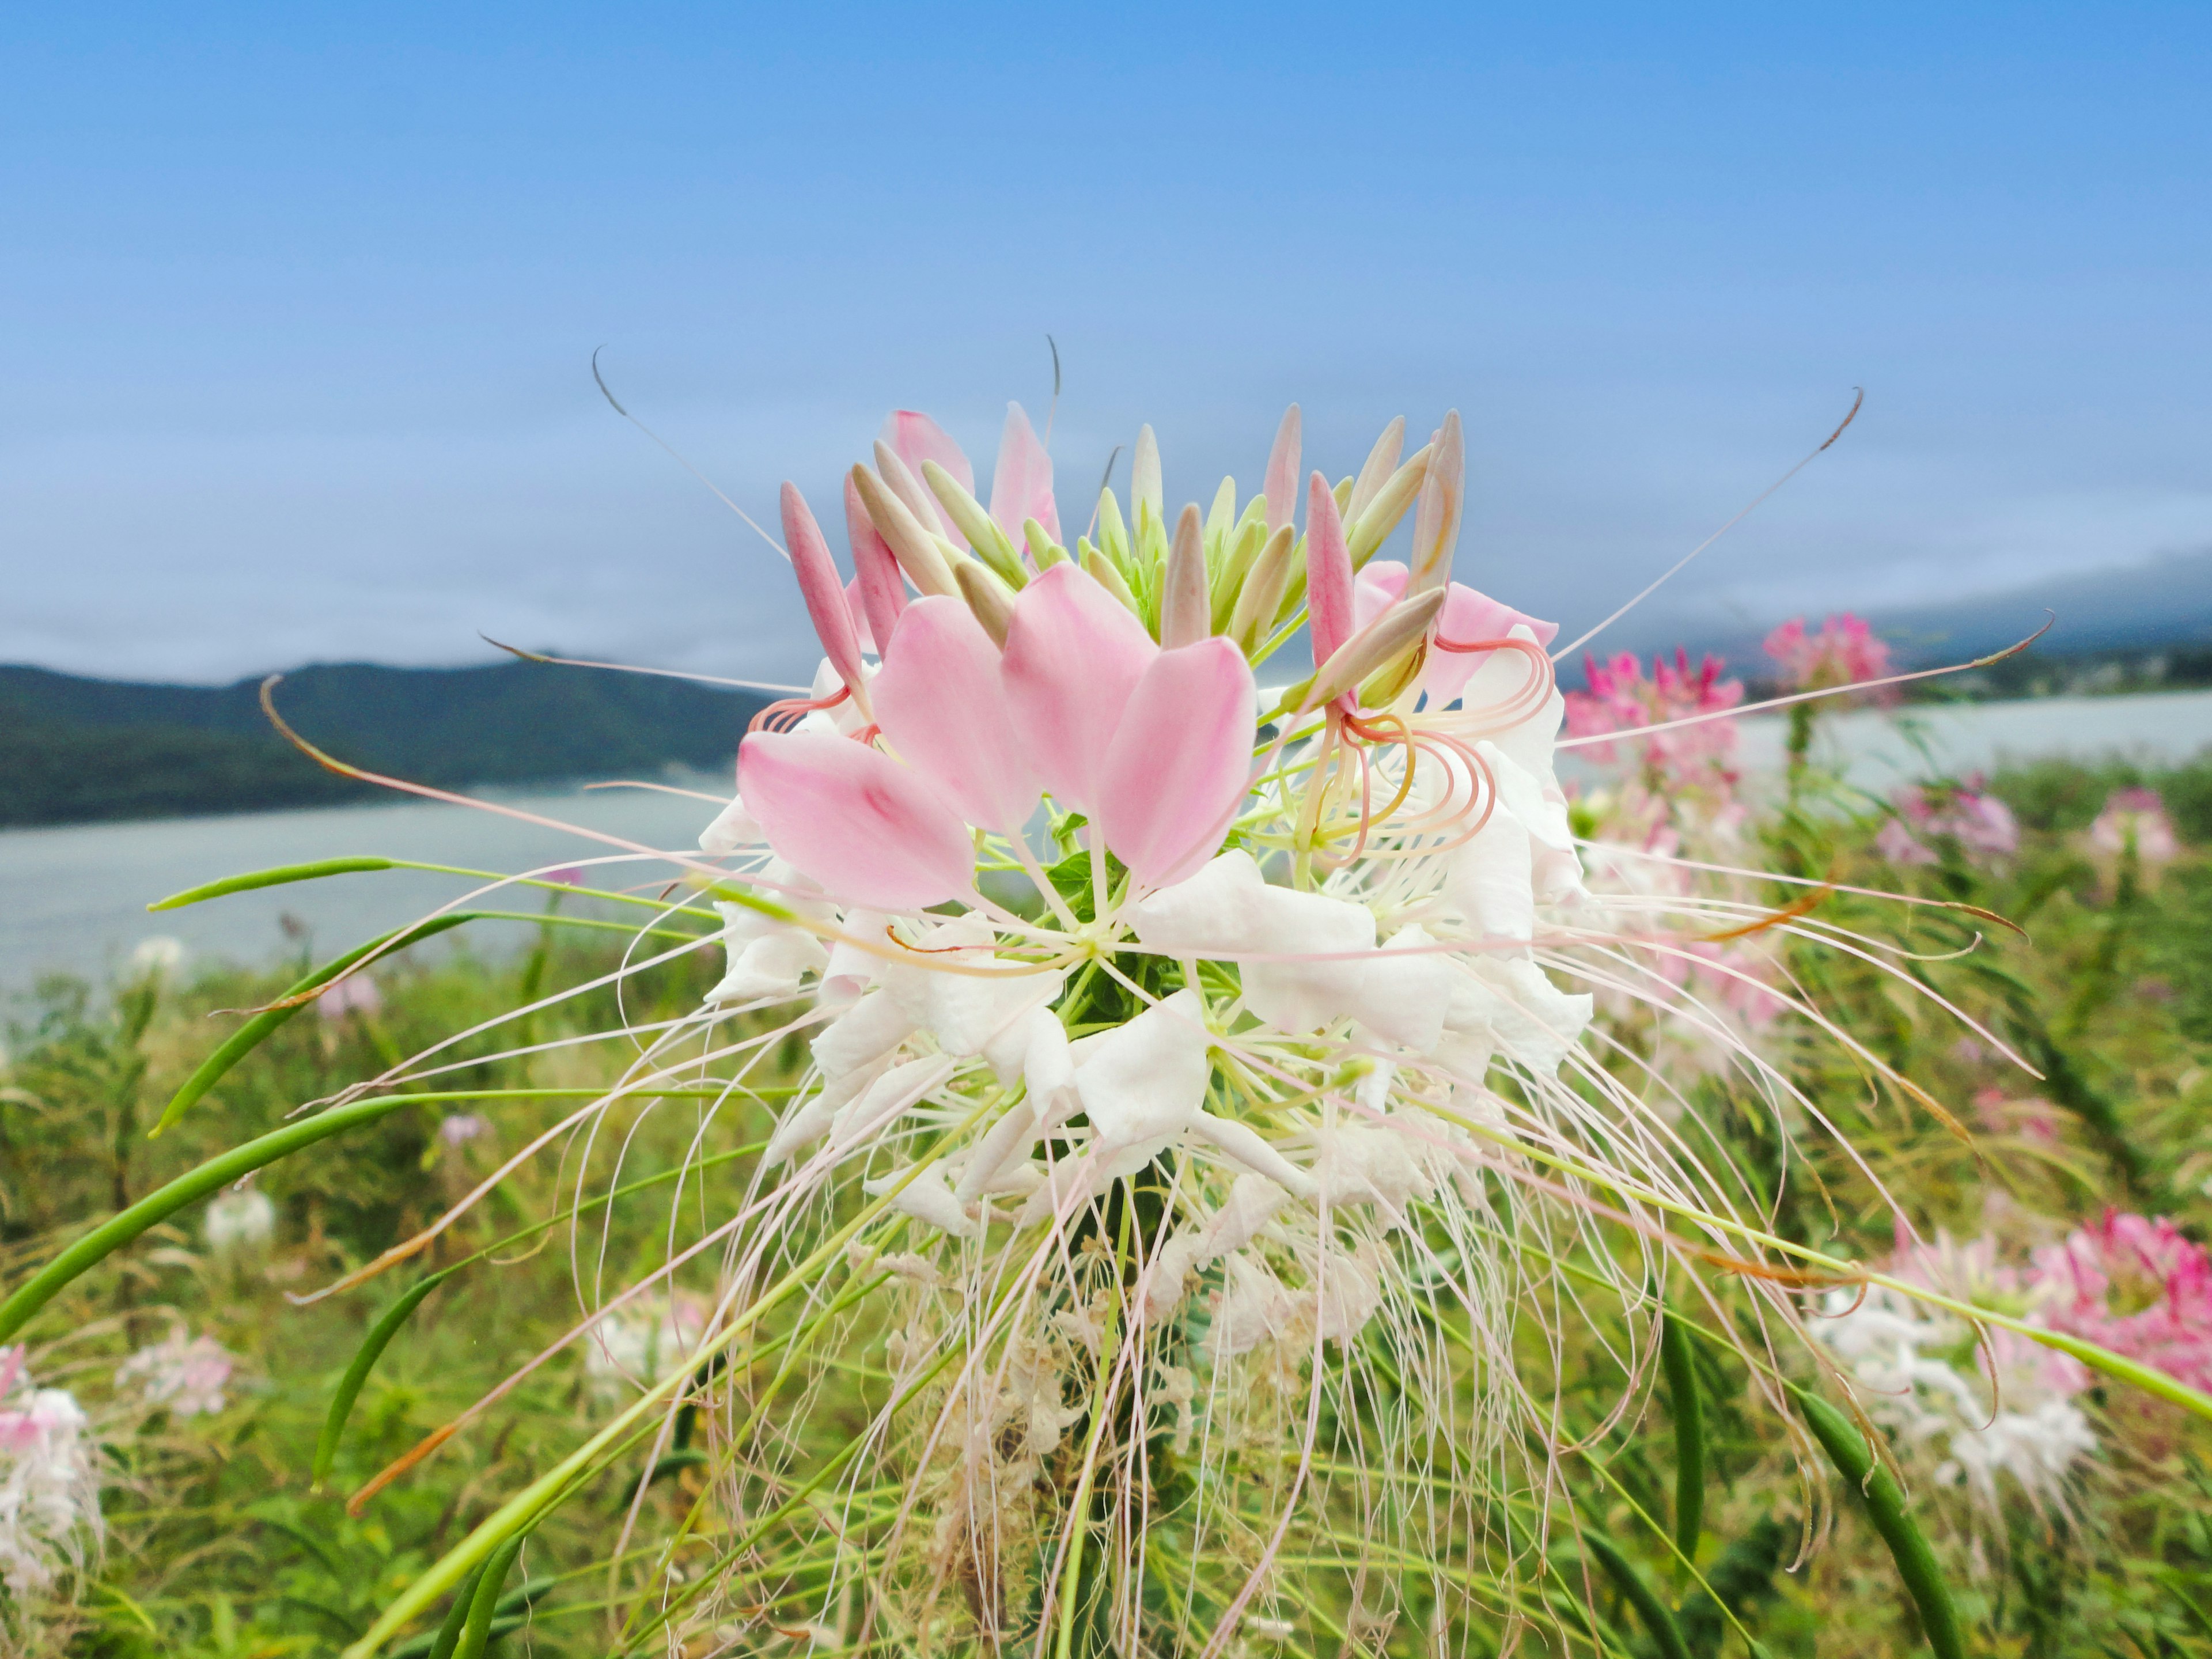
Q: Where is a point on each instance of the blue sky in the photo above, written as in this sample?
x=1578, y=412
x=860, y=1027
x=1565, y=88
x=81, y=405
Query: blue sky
x=302, y=299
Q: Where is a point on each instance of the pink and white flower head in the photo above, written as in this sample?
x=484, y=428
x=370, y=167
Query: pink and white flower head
x=2135, y=817
x=1845, y=651
x=1620, y=699
x=1981, y=826
x=184, y=1376
x=2135, y=1285
x=50, y=1516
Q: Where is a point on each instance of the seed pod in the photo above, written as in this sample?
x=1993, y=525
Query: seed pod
x=913, y=547
x=1666, y=1634
x=1677, y=1361
x=1876, y=1488
x=1186, y=608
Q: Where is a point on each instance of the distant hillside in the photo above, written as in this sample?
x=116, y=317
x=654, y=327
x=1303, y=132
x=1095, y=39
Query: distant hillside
x=75, y=750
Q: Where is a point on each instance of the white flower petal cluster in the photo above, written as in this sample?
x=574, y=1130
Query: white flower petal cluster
x=49, y=1487
x=184, y=1376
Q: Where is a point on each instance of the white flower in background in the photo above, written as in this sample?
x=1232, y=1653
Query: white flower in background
x=160, y=954
x=354, y=993
x=457, y=1129
x=185, y=1376
x=1923, y=1376
x=643, y=1341
x=240, y=1219
x=49, y=1488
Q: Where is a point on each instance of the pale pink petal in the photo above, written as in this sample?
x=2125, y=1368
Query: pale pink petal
x=851, y=818
x=1282, y=486
x=1329, y=573
x=1181, y=762
x=1021, y=483
x=882, y=583
x=914, y=438
x=1382, y=584
x=1073, y=656
x=1467, y=616
x=822, y=588
x=942, y=702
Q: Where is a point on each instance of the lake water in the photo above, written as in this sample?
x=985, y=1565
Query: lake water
x=74, y=898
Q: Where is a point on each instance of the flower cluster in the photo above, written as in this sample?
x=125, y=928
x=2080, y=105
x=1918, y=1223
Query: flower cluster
x=183, y=1376
x=243, y=1219
x=1998, y=1405
x=2136, y=818
x=2136, y=1286
x=1845, y=651
x=49, y=1489
x=1620, y=698
x=1929, y=814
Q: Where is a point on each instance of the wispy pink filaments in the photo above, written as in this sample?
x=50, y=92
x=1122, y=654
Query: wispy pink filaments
x=785, y=714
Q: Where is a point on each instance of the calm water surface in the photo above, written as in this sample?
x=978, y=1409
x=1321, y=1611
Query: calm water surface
x=74, y=898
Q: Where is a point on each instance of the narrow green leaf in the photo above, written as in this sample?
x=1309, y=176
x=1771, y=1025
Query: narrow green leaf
x=1884, y=1502
x=441, y=1644
x=372, y=1349
x=478, y=1631
x=250, y=1035
x=159, y=1205
x=272, y=878
x=1677, y=1361
x=1666, y=1634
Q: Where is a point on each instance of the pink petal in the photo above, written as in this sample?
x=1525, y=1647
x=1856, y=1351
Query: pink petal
x=822, y=588
x=914, y=438
x=1468, y=617
x=1021, y=483
x=857, y=603
x=1382, y=584
x=882, y=584
x=851, y=818
x=1073, y=656
x=1181, y=762
x=943, y=704
x=1329, y=607
x=1282, y=486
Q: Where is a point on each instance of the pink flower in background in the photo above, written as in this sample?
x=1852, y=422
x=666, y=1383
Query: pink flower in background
x=1620, y=699
x=187, y=1378
x=1981, y=824
x=356, y=993
x=1846, y=652
x=2140, y=815
x=2136, y=1286
x=2033, y=1119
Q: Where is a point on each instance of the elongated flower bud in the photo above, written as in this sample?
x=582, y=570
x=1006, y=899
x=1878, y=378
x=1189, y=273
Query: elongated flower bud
x=1329, y=573
x=1379, y=516
x=991, y=600
x=1044, y=551
x=1113, y=533
x=1443, y=500
x=916, y=549
x=1382, y=462
x=1186, y=606
x=1257, y=606
x=1403, y=625
x=983, y=535
x=1108, y=576
x=1282, y=488
x=909, y=488
x=1221, y=519
x=1244, y=543
x=882, y=589
x=1144, y=477
x=824, y=590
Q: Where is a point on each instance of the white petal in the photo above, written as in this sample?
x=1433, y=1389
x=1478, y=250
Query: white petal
x=870, y=1028
x=1406, y=997
x=1244, y=1145
x=1147, y=1080
x=734, y=827
x=894, y=1092
x=926, y=1199
x=806, y=1121
x=770, y=966
x=1008, y=1142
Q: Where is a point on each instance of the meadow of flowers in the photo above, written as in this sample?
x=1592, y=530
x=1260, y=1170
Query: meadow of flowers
x=1155, y=1121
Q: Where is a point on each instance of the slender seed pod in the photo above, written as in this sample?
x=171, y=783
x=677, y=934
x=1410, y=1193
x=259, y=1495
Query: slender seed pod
x=991, y=600
x=1382, y=462
x=1443, y=503
x=1253, y=617
x=1186, y=608
x=1381, y=515
x=915, y=548
x=349, y=1386
x=1666, y=1634
x=982, y=532
x=1676, y=1359
x=1282, y=489
x=1877, y=1490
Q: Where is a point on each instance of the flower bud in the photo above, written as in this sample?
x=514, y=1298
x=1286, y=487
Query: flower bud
x=1405, y=624
x=1104, y=573
x=1283, y=472
x=991, y=600
x=1186, y=607
x=914, y=548
x=1044, y=551
x=1381, y=515
x=1261, y=600
x=1144, y=477
x=1443, y=500
x=1244, y=546
x=824, y=590
x=983, y=535
x=1382, y=462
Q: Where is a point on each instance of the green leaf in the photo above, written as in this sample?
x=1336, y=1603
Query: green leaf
x=1678, y=1361
x=357, y=1374
x=1666, y=1634
x=276, y=876
x=1884, y=1502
